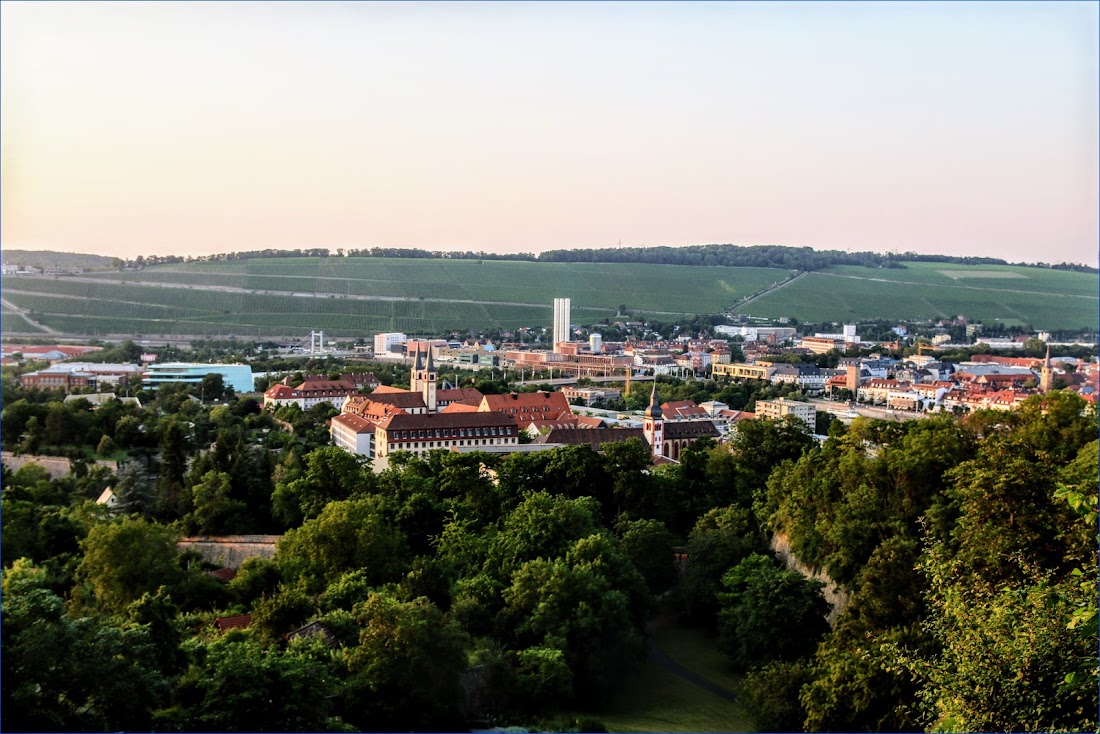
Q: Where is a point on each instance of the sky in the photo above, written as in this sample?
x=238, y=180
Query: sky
x=192, y=128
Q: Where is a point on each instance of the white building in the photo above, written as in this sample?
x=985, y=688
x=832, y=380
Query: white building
x=782, y=407
x=383, y=342
x=353, y=433
x=757, y=333
x=561, y=321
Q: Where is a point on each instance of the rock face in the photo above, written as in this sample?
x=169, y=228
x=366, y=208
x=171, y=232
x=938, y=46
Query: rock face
x=230, y=551
x=835, y=594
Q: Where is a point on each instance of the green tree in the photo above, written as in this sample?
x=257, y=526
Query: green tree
x=769, y=613
x=64, y=674
x=330, y=474
x=106, y=446
x=648, y=544
x=346, y=536
x=126, y=558
x=720, y=540
x=238, y=685
x=214, y=511
x=405, y=670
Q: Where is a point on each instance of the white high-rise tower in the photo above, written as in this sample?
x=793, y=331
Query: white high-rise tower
x=561, y=321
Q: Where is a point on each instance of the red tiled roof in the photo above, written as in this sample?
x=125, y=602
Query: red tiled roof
x=468, y=395
x=460, y=408
x=239, y=620
x=402, y=399
x=223, y=574
x=683, y=409
x=365, y=407
x=327, y=385
x=528, y=407
x=355, y=422
x=406, y=421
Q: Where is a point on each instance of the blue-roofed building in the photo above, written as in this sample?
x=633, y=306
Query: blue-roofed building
x=236, y=376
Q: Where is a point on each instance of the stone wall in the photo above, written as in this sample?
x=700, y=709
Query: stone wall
x=230, y=551
x=835, y=594
x=55, y=466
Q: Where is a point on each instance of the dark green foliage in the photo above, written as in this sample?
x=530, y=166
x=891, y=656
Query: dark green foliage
x=127, y=558
x=346, y=536
x=65, y=674
x=330, y=474
x=239, y=685
x=769, y=613
x=405, y=668
x=772, y=692
x=648, y=544
x=720, y=540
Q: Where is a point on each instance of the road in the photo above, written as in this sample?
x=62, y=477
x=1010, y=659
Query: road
x=766, y=291
x=832, y=406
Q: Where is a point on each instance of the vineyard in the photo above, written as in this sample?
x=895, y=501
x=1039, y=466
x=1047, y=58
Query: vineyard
x=360, y=296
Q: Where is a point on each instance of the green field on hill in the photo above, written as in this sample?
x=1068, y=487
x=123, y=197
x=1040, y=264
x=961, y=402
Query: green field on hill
x=1014, y=296
x=358, y=296
x=668, y=288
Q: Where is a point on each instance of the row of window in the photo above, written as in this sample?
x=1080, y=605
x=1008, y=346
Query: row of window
x=471, y=442
x=450, y=433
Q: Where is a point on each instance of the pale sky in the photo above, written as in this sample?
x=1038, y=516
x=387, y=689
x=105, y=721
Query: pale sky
x=191, y=128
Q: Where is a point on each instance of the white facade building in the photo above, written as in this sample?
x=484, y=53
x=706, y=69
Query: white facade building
x=383, y=342
x=561, y=321
x=782, y=407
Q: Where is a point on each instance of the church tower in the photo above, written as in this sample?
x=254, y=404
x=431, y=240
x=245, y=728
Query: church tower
x=1046, y=375
x=653, y=424
x=428, y=382
x=418, y=367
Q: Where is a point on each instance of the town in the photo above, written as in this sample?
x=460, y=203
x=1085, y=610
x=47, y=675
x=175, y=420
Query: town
x=591, y=378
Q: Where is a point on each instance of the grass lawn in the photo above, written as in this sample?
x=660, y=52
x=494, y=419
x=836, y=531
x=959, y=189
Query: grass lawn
x=695, y=650
x=659, y=700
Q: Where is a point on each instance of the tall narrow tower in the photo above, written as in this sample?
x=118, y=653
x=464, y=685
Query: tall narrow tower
x=653, y=424
x=418, y=367
x=1046, y=375
x=428, y=382
x=561, y=321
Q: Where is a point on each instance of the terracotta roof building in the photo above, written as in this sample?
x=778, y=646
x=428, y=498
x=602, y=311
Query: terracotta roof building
x=310, y=393
x=421, y=433
x=528, y=407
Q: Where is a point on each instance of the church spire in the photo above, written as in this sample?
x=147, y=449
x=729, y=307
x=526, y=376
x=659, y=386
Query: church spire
x=430, y=367
x=418, y=365
x=654, y=409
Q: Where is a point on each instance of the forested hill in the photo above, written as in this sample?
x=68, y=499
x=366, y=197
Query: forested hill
x=757, y=256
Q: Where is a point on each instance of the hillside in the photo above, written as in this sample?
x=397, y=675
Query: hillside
x=354, y=296
x=49, y=259
x=357, y=296
x=1012, y=295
